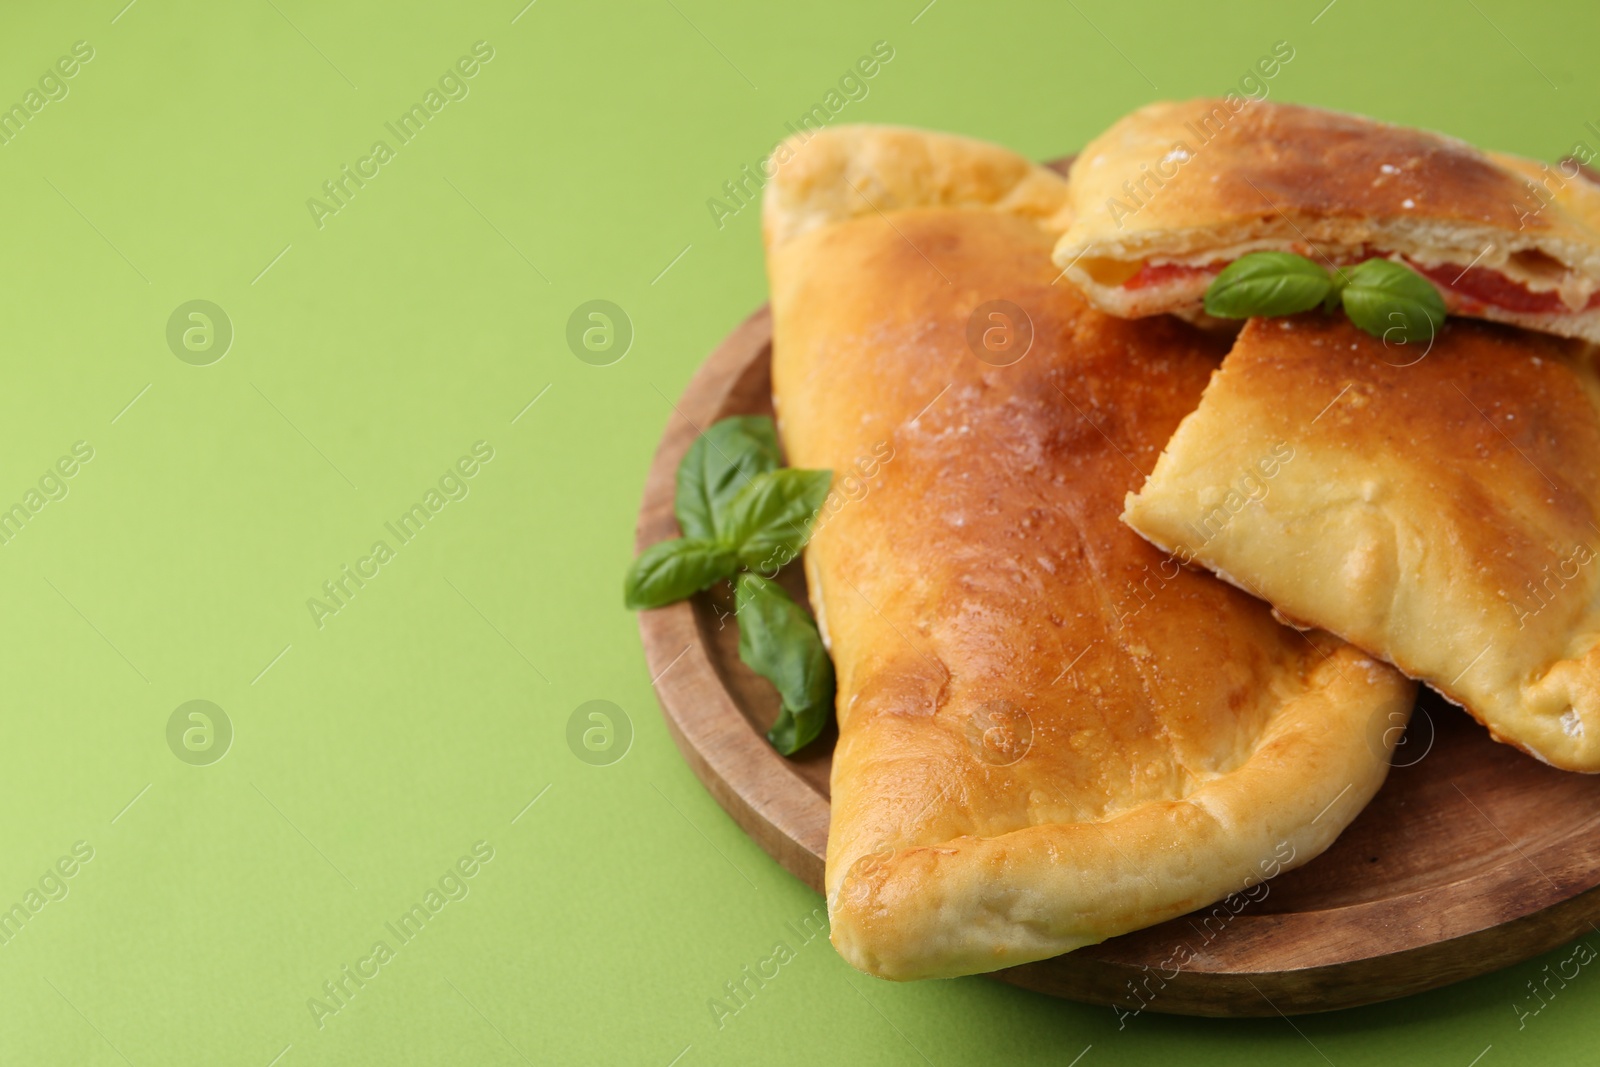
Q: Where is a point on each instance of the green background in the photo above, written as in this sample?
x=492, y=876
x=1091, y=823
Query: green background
x=369, y=354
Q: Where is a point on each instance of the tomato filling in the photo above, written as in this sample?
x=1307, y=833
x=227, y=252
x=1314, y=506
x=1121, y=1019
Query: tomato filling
x=1477, y=287
x=1161, y=273
x=1489, y=288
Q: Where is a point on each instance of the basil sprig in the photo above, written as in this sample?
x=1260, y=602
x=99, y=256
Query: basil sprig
x=743, y=516
x=1382, y=297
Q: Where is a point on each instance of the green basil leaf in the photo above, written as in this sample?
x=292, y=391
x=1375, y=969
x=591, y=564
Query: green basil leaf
x=1268, y=284
x=770, y=519
x=1392, y=301
x=780, y=642
x=794, y=730
x=722, y=461
x=675, y=569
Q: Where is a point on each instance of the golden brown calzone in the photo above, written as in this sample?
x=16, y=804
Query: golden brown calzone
x=1438, y=512
x=1049, y=733
x=1174, y=192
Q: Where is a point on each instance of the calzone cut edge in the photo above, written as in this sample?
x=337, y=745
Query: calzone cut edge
x=1174, y=192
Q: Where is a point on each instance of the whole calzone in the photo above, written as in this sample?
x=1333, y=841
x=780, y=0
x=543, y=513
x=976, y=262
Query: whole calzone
x=1049, y=732
x=1174, y=192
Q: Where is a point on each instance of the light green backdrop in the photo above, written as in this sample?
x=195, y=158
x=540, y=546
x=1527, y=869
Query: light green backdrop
x=372, y=753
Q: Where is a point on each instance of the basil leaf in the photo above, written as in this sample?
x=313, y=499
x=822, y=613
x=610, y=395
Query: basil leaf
x=770, y=519
x=780, y=642
x=1269, y=284
x=675, y=569
x=722, y=461
x=1392, y=301
x=794, y=730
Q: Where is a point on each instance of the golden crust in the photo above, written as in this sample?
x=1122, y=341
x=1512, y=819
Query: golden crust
x=1049, y=735
x=1209, y=180
x=846, y=171
x=1439, y=512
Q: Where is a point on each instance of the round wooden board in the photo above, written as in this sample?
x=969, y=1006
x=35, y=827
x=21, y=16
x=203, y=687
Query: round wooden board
x=1472, y=857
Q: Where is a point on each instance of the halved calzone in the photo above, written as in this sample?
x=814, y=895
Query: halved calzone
x=1049, y=733
x=1438, y=512
x=1174, y=192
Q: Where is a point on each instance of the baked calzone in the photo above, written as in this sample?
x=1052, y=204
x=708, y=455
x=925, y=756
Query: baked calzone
x=1174, y=192
x=1439, y=512
x=1049, y=732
